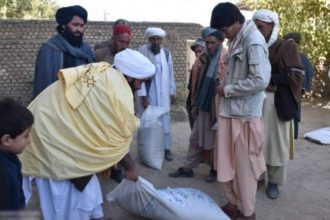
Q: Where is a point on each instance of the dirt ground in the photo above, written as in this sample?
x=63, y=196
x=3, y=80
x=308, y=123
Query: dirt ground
x=305, y=196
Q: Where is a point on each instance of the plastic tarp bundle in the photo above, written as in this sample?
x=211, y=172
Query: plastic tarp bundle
x=320, y=136
x=142, y=199
x=150, y=137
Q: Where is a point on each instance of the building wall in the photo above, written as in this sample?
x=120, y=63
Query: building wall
x=20, y=41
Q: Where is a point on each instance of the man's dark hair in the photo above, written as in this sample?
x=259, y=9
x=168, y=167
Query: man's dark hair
x=225, y=15
x=14, y=118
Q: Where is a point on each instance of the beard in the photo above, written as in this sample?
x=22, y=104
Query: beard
x=72, y=38
x=154, y=48
x=131, y=85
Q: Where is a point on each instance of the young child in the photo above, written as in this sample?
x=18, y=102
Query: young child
x=15, y=125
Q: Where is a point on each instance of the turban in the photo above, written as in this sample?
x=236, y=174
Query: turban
x=268, y=17
x=154, y=31
x=121, y=29
x=225, y=15
x=198, y=43
x=133, y=64
x=207, y=31
x=217, y=34
x=65, y=14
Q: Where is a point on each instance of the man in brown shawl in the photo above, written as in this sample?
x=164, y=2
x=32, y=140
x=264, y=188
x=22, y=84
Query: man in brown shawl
x=283, y=97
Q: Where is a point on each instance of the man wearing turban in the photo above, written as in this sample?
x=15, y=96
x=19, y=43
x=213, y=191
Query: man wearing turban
x=160, y=90
x=203, y=91
x=282, y=99
x=66, y=49
x=85, y=125
x=240, y=161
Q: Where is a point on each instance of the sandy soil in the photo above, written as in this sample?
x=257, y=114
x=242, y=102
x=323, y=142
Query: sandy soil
x=305, y=196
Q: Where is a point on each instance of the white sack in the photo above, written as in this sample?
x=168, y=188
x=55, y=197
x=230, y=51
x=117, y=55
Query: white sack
x=142, y=199
x=150, y=137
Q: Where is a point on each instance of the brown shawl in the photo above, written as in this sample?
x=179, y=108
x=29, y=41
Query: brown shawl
x=103, y=52
x=285, y=59
x=199, y=67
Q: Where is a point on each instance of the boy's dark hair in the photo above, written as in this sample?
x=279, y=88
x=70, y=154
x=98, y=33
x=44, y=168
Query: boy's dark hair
x=224, y=15
x=14, y=118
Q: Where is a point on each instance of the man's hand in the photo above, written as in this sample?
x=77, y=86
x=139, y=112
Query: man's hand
x=145, y=102
x=221, y=91
x=173, y=100
x=194, y=112
x=131, y=174
x=130, y=169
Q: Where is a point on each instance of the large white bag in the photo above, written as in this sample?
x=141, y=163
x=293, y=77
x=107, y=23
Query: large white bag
x=150, y=137
x=142, y=199
x=320, y=136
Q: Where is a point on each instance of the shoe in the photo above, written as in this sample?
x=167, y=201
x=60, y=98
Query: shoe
x=117, y=174
x=260, y=183
x=182, y=172
x=212, y=177
x=272, y=191
x=251, y=217
x=168, y=155
x=231, y=210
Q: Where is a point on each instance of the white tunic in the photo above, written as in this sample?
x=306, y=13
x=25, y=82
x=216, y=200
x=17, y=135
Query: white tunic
x=161, y=88
x=60, y=200
x=277, y=134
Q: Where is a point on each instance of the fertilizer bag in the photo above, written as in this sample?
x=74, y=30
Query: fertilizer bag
x=150, y=137
x=142, y=199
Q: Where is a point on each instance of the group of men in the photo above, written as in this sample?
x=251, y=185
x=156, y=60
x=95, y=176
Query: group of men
x=241, y=102
x=80, y=196
x=257, y=97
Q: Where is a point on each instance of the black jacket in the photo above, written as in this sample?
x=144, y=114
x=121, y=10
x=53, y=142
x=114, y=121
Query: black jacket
x=11, y=192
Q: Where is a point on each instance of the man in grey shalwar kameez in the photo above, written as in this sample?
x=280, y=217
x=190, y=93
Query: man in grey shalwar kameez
x=160, y=90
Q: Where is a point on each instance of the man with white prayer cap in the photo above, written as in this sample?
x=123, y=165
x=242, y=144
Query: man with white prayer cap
x=283, y=98
x=128, y=62
x=86, y=123
x=155, y=31
x=159, y=90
